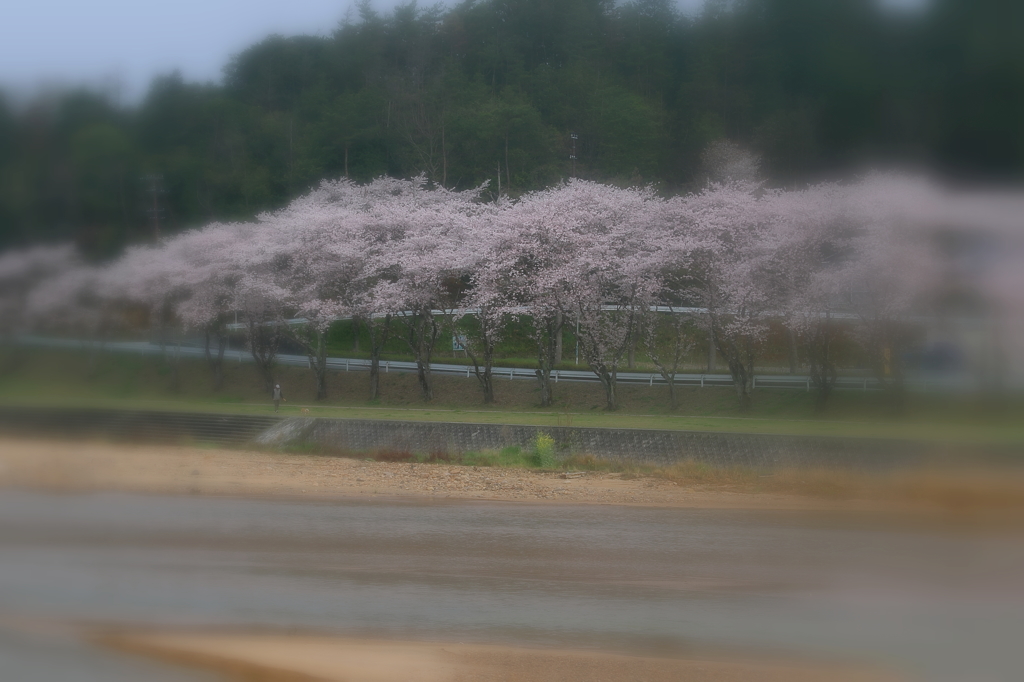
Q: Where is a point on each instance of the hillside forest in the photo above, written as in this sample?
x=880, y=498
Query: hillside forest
x=518, y=95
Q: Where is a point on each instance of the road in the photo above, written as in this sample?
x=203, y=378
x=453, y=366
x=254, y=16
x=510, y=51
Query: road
x=944, y=604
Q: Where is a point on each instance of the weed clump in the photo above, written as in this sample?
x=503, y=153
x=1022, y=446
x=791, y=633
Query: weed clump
x=544, y=452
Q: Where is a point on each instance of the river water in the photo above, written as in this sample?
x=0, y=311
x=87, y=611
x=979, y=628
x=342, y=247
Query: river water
x=940, y=603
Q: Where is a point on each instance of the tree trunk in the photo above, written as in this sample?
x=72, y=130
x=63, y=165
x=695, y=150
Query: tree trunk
x=423, y=374
x=321, y=382
x=712, y=360
x=544, y=377
x=741, y=367
x=680, y=347
x=546, y=336
x=484, y=375
x=266, y=369
x=604, y=361
x=263, y=340
x=427, y=336
x=374, y=376
x=487, y=383
x=792, y=351
x=823, y=370
x=558, y=340
x=317, y=353
x=608, y=380
x=741, y=382
x=216, y=362
x=264, y=360
x=422, y=334
x=378, y=338
x=176, y=368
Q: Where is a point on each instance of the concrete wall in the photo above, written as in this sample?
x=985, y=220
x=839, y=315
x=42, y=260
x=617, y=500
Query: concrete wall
x=636, y=445
x=347, y=436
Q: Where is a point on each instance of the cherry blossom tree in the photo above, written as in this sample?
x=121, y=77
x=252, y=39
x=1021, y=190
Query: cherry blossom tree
x=668, y=342
x=611, y=279
x=22, y=271
x=418, y=241
x=896, y=274
x=669, y=329
x=813, y=243
x=210, y=272
x=258, y=300
x=580, y=251
x=724, y=260
x=309, y=259
x=73, y=301
x=185, y=283
x=532, y=245
x=316, y=255
x=411, y=260
x=479, y=321
x=483, y=314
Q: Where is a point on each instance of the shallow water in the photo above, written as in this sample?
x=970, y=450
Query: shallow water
x=944, y=604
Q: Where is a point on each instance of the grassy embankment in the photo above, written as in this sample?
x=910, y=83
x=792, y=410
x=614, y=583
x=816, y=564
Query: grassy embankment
x=71, y=378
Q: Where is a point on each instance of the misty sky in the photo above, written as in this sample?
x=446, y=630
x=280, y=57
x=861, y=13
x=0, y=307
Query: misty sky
x=122, y=44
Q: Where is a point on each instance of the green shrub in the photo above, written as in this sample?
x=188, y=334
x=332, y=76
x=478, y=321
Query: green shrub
x=544, y=452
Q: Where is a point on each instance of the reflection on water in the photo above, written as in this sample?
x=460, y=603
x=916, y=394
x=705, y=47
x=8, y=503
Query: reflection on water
x=945, y=604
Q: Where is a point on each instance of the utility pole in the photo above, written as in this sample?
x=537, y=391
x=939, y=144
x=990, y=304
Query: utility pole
x=572, y=156
x=155, y=188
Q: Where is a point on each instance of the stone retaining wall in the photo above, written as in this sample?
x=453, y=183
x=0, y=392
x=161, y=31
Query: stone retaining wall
x=648, y=446
x=636, y=445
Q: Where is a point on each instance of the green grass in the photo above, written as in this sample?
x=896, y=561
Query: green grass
x=64, y=378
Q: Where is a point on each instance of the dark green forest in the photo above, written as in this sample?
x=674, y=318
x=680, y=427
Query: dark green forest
x=492, y=91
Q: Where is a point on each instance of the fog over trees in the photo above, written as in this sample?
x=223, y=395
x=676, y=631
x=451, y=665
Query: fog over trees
x=490, y=92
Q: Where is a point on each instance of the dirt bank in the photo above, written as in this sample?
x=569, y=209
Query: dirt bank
x=62, y=465
x=92, y=466
x=274, y=658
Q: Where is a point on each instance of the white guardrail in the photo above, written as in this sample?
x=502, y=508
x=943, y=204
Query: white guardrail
x=955, y=382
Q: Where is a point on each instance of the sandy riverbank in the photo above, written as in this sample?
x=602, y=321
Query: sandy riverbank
x=66, y=466
x=293, y=658
x=59, y=465
x=92, y=466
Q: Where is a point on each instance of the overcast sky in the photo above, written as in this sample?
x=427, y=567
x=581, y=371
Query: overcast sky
x=122, y=44
x=127, y=42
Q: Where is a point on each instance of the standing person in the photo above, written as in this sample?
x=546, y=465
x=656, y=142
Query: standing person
x=278, y=397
